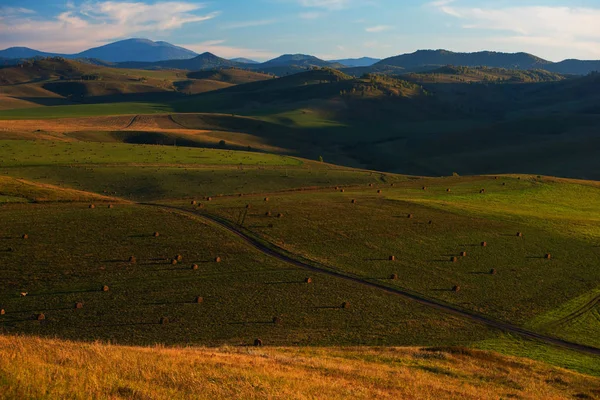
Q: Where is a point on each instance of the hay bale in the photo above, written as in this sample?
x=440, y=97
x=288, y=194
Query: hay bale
x=345, y=305
x=164, y=320
x=430, y=222
x=199, y=299
x=179, y=257
x=456, y=288
x=217, y=259
x=40, y=317
x=394, y=277
x=258, y=342
x=92, y=206
x=424, y=187
x=174, y=261
x=280, y=215
x=248, y=206
x=370, y=185
x=110, y=206
x=392, y=184
x=78, y=306
x=132, y=260
x=483, y=244
x=209, y=199
x=448, y=190
x=266, y=199
x=519, y=234
x=410, y=216
x=25, y=236
x=308, y=280
x=463, y=253
x=276, y=320
x=2, y=311
x=392, y=258
x=194, y=202
x=156, y=234
x=353, y=201
x=195, y=267
x=342, y=191
x=24, y=294
x=379, y=191
x=503, y=183
x=268, y=214
x=105, y=288
x=454, y=259
x=548, y=256
x=493, y=271
x=482, y=191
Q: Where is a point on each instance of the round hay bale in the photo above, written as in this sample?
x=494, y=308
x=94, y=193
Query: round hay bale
x=179, y=257
x=164, y=320
x=483, y=244
x=548, y=256
x=199, y=299
x=268, y=214
x=174, y=261
x=266, y=199
x=156, y=234
x=240, y=195
x=410, y=216
x=105, y=288
x=40, y=317
x=276, y=320
x=2, y=311
x=258, y=342
x=209, y=199
x=342, y=190
x=248, y=206
x=280, y=215
x=394, y=277
x=110, y=206
x=456, y=288
x=424, y=187
x=379, y=191
x=519, y=234
x=454, y=259
x=482, y=191
x=195, y=267
x=392, y=184
x=26, y=236
x=346, y=305
x=493, y=271
x=463, y=253
x=217, y=259
x=132, y=260
x=193, y=202
x=92, y=206
x=496, y=178
x=308, y=280
x=353, y=201
x=448, y=190
x=503, y=183
x=430, y=222
x=370, y=185
x=392, y=258
x=78, y=306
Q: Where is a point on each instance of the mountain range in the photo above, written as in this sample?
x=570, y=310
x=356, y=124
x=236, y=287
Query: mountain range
x=146, y=54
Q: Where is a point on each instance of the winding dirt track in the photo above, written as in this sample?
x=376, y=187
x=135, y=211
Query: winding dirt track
x=274, y=251
x=587, y=307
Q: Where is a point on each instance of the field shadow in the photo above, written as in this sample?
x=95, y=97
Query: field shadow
x=328, y=308
x=535, y=257
x=63, y=293
x=378, y=259
x=252, y=323
x=286, y=283
x=442, y=290
x=127, y=324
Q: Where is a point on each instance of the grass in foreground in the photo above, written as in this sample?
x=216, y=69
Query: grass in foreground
x=49, y=369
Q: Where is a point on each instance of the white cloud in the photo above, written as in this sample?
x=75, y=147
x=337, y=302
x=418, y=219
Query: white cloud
x=557, y=27
x=311, y=15
x=98, y=22
x=378, y=28
x=326, y=4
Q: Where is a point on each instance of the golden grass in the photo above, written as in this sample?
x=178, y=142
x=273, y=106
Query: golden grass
x=51, y=369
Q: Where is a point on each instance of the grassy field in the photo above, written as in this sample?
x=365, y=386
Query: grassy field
x=63, y=369
x=72, y=251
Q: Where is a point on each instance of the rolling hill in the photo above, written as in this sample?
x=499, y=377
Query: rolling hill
x=357, y=62
x=201, y=62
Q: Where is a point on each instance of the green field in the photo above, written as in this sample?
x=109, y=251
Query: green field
x=73, y=250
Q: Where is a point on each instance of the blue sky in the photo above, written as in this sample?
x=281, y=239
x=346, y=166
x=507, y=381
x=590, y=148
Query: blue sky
x=263, y=29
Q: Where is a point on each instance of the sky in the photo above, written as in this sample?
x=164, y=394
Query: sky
x=330, y=29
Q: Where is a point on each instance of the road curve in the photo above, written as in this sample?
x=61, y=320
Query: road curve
x=276, y=252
